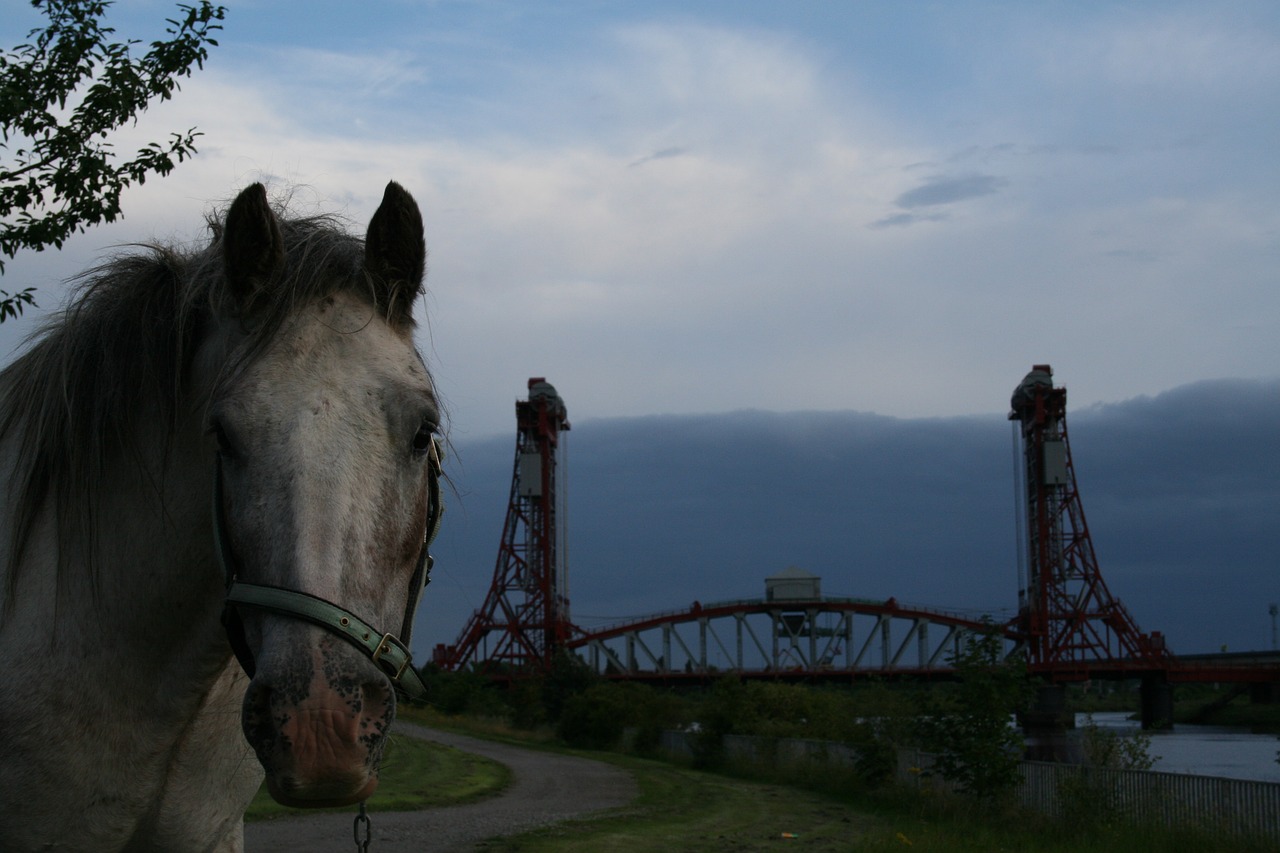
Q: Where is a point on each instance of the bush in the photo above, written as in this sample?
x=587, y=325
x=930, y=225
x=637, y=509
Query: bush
x=458, y=693
x=569, y=676
x=969, y=729
x=525, y=698
x=596, y=718
x=724, y=710
x=1087, y=800
x=884, y=720
x=537, y=699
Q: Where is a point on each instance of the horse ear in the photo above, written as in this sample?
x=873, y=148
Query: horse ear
x=252, y=245
x=395, y=254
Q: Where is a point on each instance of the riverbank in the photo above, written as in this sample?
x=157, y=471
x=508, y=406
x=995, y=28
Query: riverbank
x=1194, y=704
x=1240, y=712
x=746, y=806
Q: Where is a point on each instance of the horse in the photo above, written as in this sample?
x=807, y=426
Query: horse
x=219, y=478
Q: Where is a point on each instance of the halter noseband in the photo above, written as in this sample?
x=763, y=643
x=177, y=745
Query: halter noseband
x=389, y=652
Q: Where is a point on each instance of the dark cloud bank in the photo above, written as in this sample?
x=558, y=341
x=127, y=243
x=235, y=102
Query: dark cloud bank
x=1181, y=493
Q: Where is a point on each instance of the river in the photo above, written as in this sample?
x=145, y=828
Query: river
x=1202, y=750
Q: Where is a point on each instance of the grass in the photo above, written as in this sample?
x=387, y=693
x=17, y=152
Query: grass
x=682, y=809
x=416, y=774
x=747, y=808
x=754, y=808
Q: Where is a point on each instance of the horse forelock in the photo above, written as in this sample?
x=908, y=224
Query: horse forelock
x=103, y=376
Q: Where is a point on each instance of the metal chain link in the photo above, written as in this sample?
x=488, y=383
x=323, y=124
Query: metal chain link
x=362, y=820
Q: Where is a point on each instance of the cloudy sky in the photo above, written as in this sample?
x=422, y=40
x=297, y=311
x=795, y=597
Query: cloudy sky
x=693, y=208
x=704, y=206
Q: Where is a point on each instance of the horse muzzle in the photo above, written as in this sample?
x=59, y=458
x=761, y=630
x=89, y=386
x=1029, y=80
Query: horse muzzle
x=317, y=718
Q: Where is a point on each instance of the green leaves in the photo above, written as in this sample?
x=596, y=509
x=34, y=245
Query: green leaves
x=11, y=304
x=970, y=730
x=61, y=97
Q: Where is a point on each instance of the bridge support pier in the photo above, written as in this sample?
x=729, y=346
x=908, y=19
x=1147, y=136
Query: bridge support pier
x=1156, y=695
x=1048, y=727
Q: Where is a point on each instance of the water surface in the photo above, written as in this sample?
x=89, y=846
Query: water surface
x=1202, y=750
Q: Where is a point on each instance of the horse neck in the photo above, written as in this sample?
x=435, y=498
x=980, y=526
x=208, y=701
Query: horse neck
x=145, y=592
x=124, y=668
x=156, y=550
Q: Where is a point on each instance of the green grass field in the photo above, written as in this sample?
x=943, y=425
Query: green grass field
x=416, y=774
x=743, y=809
x=757, y=809
x=684, y=809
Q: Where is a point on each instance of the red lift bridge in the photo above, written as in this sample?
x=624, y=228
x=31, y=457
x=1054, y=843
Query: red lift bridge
x=1069, y=626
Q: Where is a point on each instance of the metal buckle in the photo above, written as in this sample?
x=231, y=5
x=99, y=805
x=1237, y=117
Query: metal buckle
x=390, y=642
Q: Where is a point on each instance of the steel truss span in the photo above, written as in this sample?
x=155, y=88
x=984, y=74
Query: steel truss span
x=830, y=638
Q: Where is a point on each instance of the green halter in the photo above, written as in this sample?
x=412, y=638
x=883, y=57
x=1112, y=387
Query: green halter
x=389, y=652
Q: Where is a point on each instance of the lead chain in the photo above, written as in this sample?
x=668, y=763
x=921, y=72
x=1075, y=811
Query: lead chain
x=363, y=824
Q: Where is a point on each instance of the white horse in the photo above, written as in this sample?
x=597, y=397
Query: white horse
x=243, y=434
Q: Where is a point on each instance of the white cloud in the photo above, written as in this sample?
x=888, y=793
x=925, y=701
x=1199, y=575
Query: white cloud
x=688, y=210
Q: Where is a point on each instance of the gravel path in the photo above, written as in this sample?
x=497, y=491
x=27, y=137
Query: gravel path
x=545, y=789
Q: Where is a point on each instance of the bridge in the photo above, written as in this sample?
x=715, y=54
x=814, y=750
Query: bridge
x=841, y=639
x=813, y=638
x=1068, y=627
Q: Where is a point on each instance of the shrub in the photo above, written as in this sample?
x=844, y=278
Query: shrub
x=470, y=693
x=596, y=718
x=969, y=730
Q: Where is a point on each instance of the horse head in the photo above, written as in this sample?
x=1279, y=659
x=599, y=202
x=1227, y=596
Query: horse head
x=327, y=464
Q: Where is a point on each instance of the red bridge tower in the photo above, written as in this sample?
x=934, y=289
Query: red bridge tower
x=525, y=617
x=1072, y=625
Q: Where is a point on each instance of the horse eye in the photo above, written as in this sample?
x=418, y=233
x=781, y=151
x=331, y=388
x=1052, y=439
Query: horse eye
x=220, y=438
x=423, y=439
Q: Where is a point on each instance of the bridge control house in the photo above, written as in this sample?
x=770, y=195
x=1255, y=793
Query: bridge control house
x=793, y=584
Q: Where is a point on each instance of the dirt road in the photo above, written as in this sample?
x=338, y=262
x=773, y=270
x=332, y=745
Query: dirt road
x=546, y=789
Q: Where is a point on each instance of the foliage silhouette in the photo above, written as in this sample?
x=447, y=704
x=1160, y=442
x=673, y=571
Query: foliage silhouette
x=61, y=97
x=969, y=729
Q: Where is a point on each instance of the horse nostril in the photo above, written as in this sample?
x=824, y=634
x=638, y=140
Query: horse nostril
x=256, y=712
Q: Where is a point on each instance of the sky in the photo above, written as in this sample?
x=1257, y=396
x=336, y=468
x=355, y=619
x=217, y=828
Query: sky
x=696, y=208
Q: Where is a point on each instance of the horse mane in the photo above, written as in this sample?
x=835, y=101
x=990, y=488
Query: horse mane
x=116, y=361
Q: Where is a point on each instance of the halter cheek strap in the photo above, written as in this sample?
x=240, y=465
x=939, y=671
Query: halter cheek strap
x=389, y=652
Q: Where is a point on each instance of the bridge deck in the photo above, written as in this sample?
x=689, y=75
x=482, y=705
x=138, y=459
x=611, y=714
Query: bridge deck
x=847, y=639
